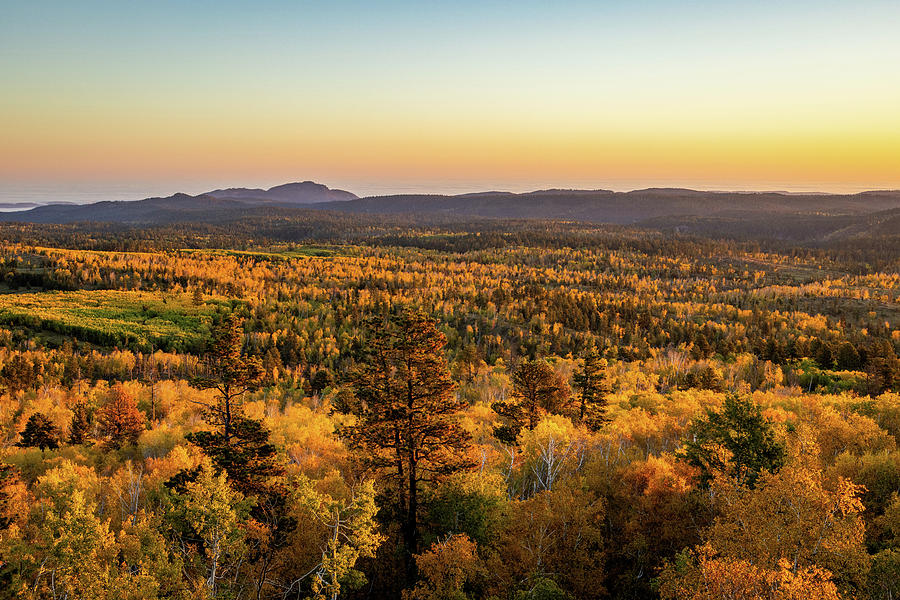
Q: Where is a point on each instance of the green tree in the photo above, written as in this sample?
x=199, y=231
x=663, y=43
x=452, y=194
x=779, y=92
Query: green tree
x=230, y=373
x=591, y=383
x=737, y=441
x=208, y=511
x=884, y=576
x=75, y=546
x=352, y=534
x=406, y=407
x=40, y=432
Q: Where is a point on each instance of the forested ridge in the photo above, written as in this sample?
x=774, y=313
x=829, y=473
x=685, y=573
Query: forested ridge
x=351, y=406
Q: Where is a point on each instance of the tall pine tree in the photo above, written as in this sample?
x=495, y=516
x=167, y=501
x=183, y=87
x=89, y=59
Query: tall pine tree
x=230, y=373
x=240, y=446
x=591, y=382
x=406, y=407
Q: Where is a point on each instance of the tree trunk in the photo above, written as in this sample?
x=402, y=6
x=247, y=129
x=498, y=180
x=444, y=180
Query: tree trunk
x=410, y=533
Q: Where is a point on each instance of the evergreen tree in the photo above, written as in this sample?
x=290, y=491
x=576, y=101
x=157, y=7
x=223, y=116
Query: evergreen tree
x=591, y=382
x=81, y=424
x=40, y=432
x=246, y=455
x=882, y=368
x=321, y=380
x=405, y=404
x=230, y=373
x=745, y=435
x=240, y=446
x=468, y=360
x=847, y=357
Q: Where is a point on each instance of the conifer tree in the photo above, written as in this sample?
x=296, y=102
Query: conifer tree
x=743, y=433
x=240, y=446
x=230, y=373
x=591, y=382
x=405, y=407
x=40, y=432
x=81, y=424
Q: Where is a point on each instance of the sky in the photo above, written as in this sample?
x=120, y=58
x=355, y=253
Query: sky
x=114, y=100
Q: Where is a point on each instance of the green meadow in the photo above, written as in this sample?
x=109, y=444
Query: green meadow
x=125, y=319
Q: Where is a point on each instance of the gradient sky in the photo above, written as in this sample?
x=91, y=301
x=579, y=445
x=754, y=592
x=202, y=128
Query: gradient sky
x=140, y=98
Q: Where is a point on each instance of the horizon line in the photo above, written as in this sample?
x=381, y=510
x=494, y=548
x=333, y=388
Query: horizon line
x=34, y=193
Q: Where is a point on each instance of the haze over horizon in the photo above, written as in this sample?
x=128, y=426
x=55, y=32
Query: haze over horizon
x=131, y=101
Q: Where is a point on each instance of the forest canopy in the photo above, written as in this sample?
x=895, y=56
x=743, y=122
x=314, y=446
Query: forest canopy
x=361, y=407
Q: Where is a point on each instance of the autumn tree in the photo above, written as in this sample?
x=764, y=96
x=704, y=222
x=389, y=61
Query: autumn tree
x=405, y=407
x=796, y=535
x=537, y=390
x=351, y=534
x=9, y=479
x=209, y=511
x=557, y=535
x=119, y=420
x=40, y=432
x=66, y=548
x=446, y=570
x=591, y=383
x=736, y=441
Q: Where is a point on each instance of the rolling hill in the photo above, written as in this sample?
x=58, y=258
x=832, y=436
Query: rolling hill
x=773, y=215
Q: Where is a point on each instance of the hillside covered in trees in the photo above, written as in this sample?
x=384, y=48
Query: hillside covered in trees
x=798, y=218
x=344, y=406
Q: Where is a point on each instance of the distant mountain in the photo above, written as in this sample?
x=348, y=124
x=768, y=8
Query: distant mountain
x=306, y=192
x=218, y=206
x=173, y=209
x=626, y=208
x=798, y=217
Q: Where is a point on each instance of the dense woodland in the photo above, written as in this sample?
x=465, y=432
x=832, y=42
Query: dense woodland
x=356, y=407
